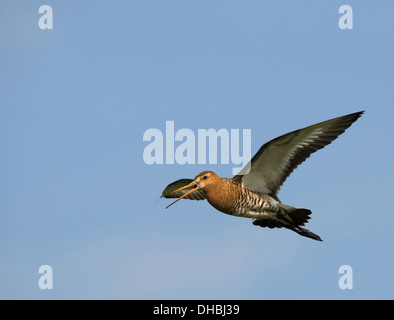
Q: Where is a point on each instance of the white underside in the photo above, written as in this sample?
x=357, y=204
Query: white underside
x=259, y=215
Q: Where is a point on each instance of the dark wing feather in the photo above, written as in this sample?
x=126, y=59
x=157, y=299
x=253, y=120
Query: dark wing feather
x=277, y=159
x=168, y=192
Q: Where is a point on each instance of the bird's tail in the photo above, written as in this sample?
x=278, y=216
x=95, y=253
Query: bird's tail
x=295, y=218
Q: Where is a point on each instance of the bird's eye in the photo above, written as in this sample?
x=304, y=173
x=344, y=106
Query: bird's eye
x=205, y=177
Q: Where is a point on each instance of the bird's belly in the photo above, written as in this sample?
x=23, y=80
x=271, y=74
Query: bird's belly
x=265, y=214
x=245, y=203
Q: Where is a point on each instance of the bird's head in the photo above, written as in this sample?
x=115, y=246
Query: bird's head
x=204, y=180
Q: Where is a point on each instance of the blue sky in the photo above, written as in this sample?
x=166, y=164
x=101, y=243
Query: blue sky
x=76, y=194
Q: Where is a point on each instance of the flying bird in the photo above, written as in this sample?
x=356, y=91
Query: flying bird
x=253, y=193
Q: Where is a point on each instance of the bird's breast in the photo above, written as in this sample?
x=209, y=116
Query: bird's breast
x=236, y=200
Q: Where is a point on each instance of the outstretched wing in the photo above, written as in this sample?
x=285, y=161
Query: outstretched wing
x=168, y=192
x=276, y=160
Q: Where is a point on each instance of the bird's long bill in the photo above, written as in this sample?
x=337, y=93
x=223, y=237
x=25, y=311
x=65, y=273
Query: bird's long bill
x=192, y=184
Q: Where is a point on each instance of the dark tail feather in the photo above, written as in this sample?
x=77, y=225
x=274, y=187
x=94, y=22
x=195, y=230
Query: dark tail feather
x=291, y=218
x=299, y=217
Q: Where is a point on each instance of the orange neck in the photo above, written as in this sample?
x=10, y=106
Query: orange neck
x=222, y=195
